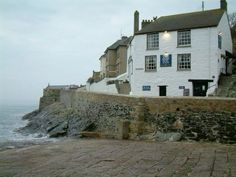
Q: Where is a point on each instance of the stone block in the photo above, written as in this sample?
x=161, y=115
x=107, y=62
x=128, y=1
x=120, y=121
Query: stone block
x=123, y=129
x=88, y=134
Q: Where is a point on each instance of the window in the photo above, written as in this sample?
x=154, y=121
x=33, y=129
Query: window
x=184, y=38
x=219, y=41
x=151, y=63
x=152, y=41
x=184, y=62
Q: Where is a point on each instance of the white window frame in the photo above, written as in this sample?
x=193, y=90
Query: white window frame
x=184, y=62
x=153, y=41
x=184, y=38
x=151, y=63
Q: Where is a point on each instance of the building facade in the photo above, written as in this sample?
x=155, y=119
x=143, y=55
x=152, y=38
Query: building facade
x=113, y=70
x=181, y=55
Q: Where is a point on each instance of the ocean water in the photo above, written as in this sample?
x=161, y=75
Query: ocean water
x=11, y=119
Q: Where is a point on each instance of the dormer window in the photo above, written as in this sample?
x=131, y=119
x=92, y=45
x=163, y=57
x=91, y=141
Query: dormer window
x=184, y=38
x=153, y=41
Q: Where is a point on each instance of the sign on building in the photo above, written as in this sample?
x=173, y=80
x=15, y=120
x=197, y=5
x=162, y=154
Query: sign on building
x=146, y=88
x=166, y=60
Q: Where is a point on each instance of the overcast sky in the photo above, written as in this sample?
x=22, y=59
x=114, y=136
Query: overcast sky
x=60, y=41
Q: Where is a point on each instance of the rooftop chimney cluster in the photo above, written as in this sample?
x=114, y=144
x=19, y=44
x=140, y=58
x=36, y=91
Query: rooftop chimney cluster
x=146, y=22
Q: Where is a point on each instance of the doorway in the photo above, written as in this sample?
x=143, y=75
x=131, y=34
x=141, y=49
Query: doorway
x=200, y=87
x=162, y=90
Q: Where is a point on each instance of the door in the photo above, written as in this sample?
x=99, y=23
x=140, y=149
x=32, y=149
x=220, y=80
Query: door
x=162, y=90
x=200, y=88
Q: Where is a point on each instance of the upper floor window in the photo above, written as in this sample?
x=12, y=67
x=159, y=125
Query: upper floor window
x=151, y=63
x=219, y=41
x=184, y=62
x=184, y=38
x=152, y=41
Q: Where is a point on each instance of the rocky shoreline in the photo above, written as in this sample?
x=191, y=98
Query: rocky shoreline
x=56, y=120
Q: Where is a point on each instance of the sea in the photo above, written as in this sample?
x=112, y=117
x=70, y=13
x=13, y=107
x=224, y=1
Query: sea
x=11, y=120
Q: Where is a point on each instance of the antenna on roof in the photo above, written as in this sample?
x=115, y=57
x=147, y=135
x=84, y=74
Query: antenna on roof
x=203, y=5
x=121, y=33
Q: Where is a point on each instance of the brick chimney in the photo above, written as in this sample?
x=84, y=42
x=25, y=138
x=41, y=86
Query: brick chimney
x=223, y=5
x=136, y=21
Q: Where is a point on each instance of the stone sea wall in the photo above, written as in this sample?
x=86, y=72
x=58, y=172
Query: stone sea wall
x=80, y=99
x=200, y=119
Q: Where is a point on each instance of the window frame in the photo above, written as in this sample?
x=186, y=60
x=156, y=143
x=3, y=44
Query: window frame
x=180, y=41
x=151, y=41
x=184, y=63
x=147, y=63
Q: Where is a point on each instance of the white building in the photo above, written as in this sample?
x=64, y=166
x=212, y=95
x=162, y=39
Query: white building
x=181, y=55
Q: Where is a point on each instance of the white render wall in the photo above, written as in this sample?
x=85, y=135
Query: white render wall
x=204, y=61
x=101, y=86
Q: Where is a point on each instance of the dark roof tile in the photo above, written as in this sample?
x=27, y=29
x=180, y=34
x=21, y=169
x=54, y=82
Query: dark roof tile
x=121, y=42
x=202, y=19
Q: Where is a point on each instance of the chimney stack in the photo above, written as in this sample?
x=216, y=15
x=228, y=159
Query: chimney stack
x=223, y=5
x=136, y=21
x=146, y=22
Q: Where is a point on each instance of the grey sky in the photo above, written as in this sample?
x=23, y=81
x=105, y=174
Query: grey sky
x=60, y=41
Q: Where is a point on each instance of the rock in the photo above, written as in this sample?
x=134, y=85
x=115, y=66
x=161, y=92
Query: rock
x=79, y=124
x=168, y=136
x=59, y=130
x=178, y=125
x=30, y=115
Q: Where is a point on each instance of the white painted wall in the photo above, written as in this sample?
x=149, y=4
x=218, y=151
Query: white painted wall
x=101, y=87
x=204, y=60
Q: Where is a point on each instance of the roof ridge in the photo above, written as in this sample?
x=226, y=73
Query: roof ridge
x=188, y=13
x=191, y=20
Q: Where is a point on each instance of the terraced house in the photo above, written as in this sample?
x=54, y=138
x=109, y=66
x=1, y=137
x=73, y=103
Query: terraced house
x=180, y=55
x=113, y=68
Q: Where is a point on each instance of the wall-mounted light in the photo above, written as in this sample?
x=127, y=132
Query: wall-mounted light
x=166, y=54
x=166, y=35
x=220, y=33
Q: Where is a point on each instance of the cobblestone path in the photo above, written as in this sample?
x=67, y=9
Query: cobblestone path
x=114, y=158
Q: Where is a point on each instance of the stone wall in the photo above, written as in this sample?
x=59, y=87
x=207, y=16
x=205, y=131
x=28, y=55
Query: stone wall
x=49, y=97
x=154, y=104
x=207, y=119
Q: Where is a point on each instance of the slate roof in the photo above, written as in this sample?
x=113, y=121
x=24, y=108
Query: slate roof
x=124, y=41
x=201, y=19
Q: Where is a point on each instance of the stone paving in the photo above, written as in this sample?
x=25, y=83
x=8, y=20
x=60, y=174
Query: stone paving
x=114, y=158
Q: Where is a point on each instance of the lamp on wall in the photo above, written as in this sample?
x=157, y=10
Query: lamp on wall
x=166, y=54
x=166, y=35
